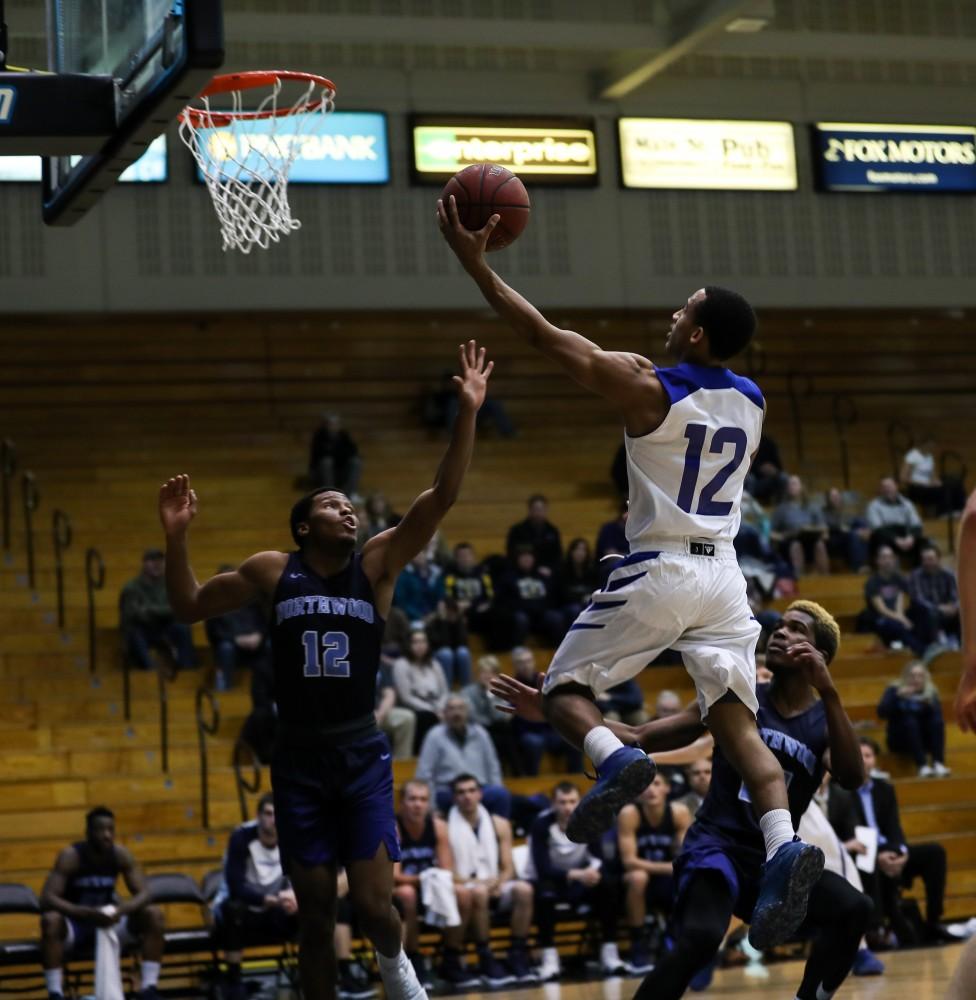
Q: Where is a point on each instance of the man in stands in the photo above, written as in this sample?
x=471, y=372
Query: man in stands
x=565, y=872
x=698, y=777
x=79, y=898
x=482, y=848
x=147, y=620
x=894, y=521
x=890, y=612
x=933, y=590
x=539, y=534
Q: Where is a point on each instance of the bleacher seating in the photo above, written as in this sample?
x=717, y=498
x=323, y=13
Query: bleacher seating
x=101, y=410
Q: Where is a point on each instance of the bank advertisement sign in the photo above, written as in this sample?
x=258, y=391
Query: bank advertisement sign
x=150, y=168
x=344, y=147
x=871, y=157
x=551, y=150
x=701, y=155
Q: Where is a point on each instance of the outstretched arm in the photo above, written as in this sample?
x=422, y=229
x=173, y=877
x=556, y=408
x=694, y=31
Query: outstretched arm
x=966, y=574
x=626, y=380
x=192, y=601
x=387, y=553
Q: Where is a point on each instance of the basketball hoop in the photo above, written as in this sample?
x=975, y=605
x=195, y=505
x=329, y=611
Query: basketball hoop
x=246, y=156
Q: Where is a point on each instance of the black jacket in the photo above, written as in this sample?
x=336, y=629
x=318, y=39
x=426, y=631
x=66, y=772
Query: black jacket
x=845, y=811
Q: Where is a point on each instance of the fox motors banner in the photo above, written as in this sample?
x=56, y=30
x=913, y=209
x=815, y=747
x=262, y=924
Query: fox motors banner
x=852, y=157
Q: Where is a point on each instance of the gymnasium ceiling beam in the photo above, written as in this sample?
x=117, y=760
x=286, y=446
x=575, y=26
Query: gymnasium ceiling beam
x=635, y=67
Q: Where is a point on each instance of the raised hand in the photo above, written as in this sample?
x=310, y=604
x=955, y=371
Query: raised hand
x=468, y=245
x=814, y=666
x=472, y=383
x=177, y=505
x=518, y=698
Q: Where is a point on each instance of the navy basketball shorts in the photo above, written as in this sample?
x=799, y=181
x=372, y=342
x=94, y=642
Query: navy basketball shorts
x=334, y=804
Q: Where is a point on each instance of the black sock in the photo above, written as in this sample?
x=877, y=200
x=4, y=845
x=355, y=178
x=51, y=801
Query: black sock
x=345, y=964
x=234, y=971
x=636, y=935
x=520, y=943
x=484, y=949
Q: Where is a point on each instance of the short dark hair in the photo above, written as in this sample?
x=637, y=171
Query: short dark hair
x=931, y=546
x=866, y=741
x=728, y=320
x=303, y=509
x=461, y=779
x=266, y=800
x=537, y=498
x=564, y=788
x=99, y=812
x=463, y=545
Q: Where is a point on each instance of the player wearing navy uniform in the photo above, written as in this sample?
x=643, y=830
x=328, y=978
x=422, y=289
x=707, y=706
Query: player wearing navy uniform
x=719, y=869
x=331, y=772
x=691, y=431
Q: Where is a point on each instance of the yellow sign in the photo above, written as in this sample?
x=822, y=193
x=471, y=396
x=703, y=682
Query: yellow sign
x=707, y=155
x=443, y=149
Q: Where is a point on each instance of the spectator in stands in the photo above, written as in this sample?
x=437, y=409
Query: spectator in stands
x=894, y=521
x=920, y=483
x=147, y=619
x=875, y=805
x=913, y=711
x=698, y=776
x=397, y=721
x=934, y=590
x=485, y=712
x=612, y=537
x=536, y=738
x=448, y=635
x=565, y=872
x=333, y=459
x=420, y=684
x=418, y=589
x=469, y=584
x=754, y=530
x=577, y=580
x=541, y=536
x=255, y=903
x=238, y=639
x=440, y=409
x=669, y=703
x=424, y=846
x=378, y=516
x=766, y=479
x=624, y=703
x=459, y=746
x=79, y=898
x=649, y=832
x=888, y=611
x=847, y=531
x=528, y=595
x=799, y=530
x=396, y=637
x=482, y=848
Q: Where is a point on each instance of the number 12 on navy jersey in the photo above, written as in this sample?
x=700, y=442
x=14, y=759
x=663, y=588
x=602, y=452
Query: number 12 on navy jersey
x=721, y=439
x=334, y=648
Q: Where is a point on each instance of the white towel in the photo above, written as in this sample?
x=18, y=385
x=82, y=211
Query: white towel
x=108, y=953
x=475, y=856
x=439, y=898
x=815, y=829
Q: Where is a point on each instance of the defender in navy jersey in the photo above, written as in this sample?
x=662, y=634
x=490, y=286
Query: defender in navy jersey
x=331, y=772
x=690, y=433
x=720, y=866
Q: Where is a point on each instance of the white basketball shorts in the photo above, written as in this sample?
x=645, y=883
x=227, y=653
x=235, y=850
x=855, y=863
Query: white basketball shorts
x=683, y=594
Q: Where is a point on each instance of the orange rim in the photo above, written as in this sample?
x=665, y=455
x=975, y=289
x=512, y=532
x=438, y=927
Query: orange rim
x=251, y=80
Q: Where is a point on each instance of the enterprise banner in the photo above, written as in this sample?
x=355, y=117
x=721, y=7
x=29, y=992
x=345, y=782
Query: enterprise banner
x=707, y=155
x=553, y=150
x=150, y=168
x=853, y=157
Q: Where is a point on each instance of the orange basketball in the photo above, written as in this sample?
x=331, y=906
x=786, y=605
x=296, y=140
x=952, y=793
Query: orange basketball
x=486, y=189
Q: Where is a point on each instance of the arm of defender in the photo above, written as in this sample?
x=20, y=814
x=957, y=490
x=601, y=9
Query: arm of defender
x=387, y=553
x=626, y=380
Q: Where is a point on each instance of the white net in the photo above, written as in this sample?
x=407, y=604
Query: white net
x=245, y=157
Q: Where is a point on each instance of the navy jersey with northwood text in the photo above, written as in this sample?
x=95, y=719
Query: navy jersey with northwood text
x=325, y=639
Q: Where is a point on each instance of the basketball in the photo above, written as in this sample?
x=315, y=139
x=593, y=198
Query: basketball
x=486, y=189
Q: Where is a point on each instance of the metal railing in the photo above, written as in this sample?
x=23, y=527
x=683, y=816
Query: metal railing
x=845, y=416
x=205, y=729
x=900, y=439
x=951, y=467
x=95, y=580
x=31, y=498
x=244, y=787
x=61, y=536
x=8, y=466
x=798, y=384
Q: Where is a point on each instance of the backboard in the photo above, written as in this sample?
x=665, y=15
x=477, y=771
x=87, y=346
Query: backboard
x=150, y=57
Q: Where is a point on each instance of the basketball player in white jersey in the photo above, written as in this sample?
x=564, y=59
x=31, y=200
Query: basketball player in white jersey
x=690, y=433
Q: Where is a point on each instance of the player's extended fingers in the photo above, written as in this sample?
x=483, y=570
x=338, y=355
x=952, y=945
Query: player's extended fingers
x=463, y=358
x=452, y=212
x=488, y=369
x=442, y=220
x=485, y=231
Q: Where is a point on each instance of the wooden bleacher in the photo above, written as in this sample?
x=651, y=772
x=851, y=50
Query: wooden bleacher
x=103, y=409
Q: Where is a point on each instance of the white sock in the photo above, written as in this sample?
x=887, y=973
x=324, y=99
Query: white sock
x=388, y=963
x=149, y=974
x=599, y=744
x=777, y=830
x=54, y=980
